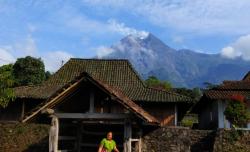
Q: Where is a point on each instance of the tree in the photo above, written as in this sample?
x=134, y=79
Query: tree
x=209, y=85
x=237, y=112
x=47, y=75
x=194, y=93
x=29, y=71
x=154, y=82
x=6, y=84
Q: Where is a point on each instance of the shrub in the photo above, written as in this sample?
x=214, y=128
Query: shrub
x=237, y=112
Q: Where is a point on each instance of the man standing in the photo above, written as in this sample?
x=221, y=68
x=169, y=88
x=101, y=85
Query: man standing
x=108, y=144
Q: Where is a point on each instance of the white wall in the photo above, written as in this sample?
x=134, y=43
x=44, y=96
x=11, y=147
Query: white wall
x=222, y=121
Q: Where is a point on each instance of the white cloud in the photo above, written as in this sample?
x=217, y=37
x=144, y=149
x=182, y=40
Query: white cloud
x=6, y=57
x=32, y=28
x=230, y=52
x=177, y=39
x=202, y=17
x=53, y=60
x=240, y=48
x=85, y=24
x=124, y=30
x=82, y=23
x=27, y=47
x=103, y=51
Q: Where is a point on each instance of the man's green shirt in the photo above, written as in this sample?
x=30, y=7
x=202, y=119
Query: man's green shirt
x=109, y=145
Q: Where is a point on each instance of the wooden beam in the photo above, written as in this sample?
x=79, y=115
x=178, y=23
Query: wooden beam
x=55, y=99
x=94, y=145
x=134, y=140
x=96, y=116
x=107, y=122
x=67, y=138
x=91, y=101
x=99, y=133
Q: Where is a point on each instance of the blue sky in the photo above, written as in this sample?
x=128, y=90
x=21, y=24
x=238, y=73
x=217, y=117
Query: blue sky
x=56, y=30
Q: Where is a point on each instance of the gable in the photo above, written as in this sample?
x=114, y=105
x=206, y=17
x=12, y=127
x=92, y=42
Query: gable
x=114, y=93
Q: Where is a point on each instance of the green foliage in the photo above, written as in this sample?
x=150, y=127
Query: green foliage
x=188, y=120
x=237, y=113
x=154, y=82
x=28, y=71
x=187, y=123
x=6, y=84
x=194, y=93
x=209, y=85
x=233, y=135
x=47, y=75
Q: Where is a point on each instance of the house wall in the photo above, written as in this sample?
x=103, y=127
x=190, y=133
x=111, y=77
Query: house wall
x=208, y=117
x=162, y=111
x=102, y=102
x=79, y=98
x=15, y=110
x=212, y=115
x=222, y=121
x=12, y=112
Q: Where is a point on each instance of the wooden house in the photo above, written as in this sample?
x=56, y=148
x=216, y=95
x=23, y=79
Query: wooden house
x=88, y=97
x=213, y=103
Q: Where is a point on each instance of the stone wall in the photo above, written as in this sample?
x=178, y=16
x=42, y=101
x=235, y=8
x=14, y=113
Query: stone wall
x=232, y=141
x=23, y=137
x=178, y=140
x=168, y=139
x=34, y=138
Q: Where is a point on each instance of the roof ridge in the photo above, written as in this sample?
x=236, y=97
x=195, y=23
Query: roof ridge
x=98, y=59
x=136, y=74
x=246, y=77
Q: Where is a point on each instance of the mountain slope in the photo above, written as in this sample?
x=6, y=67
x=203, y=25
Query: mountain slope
x=183, y=68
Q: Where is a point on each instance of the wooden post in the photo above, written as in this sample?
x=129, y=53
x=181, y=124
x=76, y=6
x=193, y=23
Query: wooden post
x=91, y=101
x=175, y=115
x=127, y=136
x=53, y=135
x=140, y=144
x=79, y=136
x=140, y=139
x=23, y=108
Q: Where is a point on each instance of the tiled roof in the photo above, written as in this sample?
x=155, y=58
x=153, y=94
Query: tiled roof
x=234, y=85
x=229, y=88
x=224, y=91
x=36, y=92
x=226, y=94
x=116, y=73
